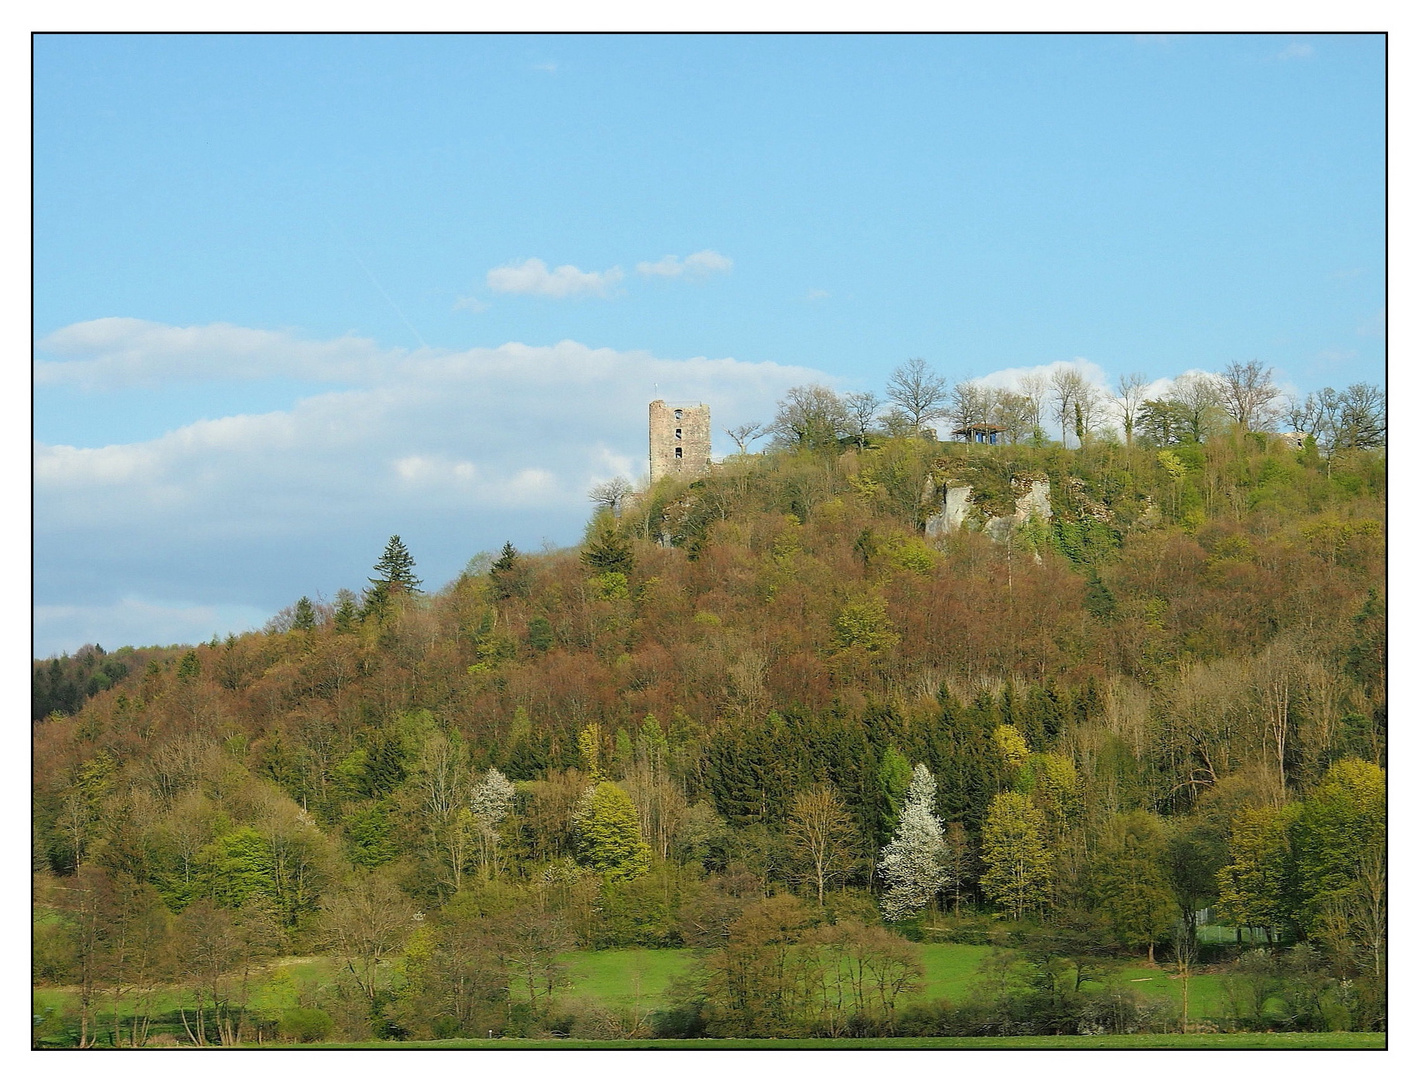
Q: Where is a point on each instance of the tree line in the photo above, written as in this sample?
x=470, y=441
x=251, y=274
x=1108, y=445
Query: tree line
x=1194, y=407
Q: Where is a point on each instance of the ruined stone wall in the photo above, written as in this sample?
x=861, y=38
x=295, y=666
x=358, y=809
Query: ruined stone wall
x=679, y=440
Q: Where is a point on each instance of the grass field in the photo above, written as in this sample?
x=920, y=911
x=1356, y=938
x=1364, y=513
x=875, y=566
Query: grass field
x=639, y=980
x=625, y=978
x=1344, y=1040
x=950, y=971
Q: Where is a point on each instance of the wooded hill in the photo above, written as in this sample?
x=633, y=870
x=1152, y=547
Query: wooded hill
x=1168, y=696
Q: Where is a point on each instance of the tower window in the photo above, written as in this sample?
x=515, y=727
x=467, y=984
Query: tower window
x=677, y=433
x=679, y=414
x=679, y=451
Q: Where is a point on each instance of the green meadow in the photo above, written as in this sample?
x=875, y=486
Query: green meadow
x=1266, y=1040
x=640, y=980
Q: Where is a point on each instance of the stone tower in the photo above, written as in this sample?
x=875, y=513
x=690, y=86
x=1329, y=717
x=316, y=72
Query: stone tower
x=679, y=440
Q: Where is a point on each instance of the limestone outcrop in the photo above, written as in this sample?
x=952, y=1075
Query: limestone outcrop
x=955, y=509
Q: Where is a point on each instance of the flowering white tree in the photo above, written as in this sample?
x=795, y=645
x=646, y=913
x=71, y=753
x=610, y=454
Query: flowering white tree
x=914, y=863
x=490, y=804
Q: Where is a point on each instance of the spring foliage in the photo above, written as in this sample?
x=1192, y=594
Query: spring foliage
x=913, y=864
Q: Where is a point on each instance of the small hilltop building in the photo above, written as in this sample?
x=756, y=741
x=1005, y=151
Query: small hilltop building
x=980, y=433
x=679, y=440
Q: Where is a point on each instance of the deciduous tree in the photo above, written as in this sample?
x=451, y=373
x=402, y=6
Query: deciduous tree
x=1017, y=864
x=1249, y=395
x=811, y=417
x=821, y=836
x=609, y=834
x=913, y=864
x=918, y=392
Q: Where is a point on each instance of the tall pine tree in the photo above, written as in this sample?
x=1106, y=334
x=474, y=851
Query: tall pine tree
x=395, y=569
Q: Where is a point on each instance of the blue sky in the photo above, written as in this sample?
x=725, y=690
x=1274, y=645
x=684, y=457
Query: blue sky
x=295, y=294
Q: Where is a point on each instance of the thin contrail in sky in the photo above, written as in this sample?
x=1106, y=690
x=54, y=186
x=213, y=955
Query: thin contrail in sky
x=375, y=282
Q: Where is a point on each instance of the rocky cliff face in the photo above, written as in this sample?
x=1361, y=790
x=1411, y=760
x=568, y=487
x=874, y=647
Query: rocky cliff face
x=955, y=510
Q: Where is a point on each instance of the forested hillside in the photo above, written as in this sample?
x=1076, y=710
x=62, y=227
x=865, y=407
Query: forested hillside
x=766, y=715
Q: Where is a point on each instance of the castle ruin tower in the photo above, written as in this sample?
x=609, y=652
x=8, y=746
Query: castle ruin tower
x=679, y=440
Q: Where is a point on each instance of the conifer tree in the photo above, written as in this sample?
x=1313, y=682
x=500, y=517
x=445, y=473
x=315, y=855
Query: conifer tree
x=395, y=569
x=606, y=551
x=346, y=611
x=304, y=618
x=508, y=574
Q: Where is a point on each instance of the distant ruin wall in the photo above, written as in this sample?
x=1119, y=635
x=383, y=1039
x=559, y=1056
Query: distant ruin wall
x=679, y=440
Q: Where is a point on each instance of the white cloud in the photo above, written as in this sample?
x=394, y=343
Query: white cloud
x=1296, y=50
x=470, y=303
x=532, y=278
x=1009, y=378
x=814, y=295
x=113, y=353
x=455, y=451
x=699, y=265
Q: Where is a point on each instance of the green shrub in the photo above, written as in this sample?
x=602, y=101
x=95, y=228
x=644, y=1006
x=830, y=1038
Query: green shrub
x=306, y=1025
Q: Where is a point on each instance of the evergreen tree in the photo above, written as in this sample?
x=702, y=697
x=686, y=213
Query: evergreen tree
x=508, y=574
x=304, y=617
x=606, y=551
x=189, y=667
x=346, y=611
x=914, y=862
x=395, y=570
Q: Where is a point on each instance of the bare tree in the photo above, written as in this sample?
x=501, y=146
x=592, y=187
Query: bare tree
x=1129, y=400
x=862, y=409
x=1088, y=407
x=820, y=833
x=1032, y=389
x=1301, y=414
x=744, y=434
x=1067, y=385
x=1016, y=414
x=971, y=403
x=611, y=495
x=918, y=391
x=366, y=923
x=1249, y=395
x=1198, y=396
